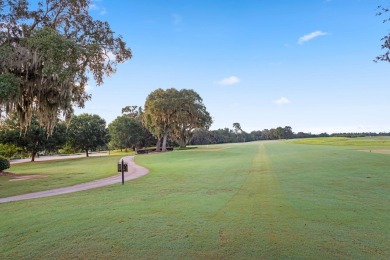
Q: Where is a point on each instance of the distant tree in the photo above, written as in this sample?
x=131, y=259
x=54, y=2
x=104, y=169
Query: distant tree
x=257, y=135
x=33, y=140
x=87, y=132
x=145, y=138
x=241, y=135
x=125, y=132
x=46, y=55
x=287, y=132
x=201, y=136
x=278, y=133
x=267, y=134
x=237, y=127
x=224, y=135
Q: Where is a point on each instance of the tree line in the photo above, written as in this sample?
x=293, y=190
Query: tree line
x=226, y=135
x=169, y=118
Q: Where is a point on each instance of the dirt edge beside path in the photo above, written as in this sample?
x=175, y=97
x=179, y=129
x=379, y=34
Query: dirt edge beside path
x=134, y=171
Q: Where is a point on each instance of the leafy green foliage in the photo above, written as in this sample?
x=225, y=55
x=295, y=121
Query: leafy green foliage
x=175, y=113
x=9, y=87
x=87, y=132
x=33, y=140
x=49, y=51
x=4, y=163
x=125, y=132
x=10, y=150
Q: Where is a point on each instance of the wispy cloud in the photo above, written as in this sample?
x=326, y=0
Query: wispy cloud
x=311, y=36
x=98, y=8
x=282, y=101
x=229, y=81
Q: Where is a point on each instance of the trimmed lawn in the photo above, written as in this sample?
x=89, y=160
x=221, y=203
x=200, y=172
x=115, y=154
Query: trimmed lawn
x=60, y=173
x=234, y=201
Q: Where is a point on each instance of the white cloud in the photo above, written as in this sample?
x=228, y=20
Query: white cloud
x=87, y=87
x=94, y=7
x=110, y=56
x=311, y=36
x=229, y=81
x=282, y=101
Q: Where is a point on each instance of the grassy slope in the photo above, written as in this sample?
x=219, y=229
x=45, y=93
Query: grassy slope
x=256, y=200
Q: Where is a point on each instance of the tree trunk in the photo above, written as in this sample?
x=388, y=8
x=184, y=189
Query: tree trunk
x=183, y=141
x=86, y=153
x=164, y=144
x=158, y=148
x=33, y=153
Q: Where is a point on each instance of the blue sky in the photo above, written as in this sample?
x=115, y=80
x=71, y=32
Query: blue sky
x=262, y=63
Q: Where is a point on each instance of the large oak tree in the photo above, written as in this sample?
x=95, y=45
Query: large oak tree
x=46, y=55
x=176, y=114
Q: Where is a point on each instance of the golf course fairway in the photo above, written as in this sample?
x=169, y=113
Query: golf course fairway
x=271, y=199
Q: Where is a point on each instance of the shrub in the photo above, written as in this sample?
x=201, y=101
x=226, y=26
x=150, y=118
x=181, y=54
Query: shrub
x=10, y=151
x=4, y=163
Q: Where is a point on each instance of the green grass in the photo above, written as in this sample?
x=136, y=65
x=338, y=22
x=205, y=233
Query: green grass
x=59, y=173
x=235, y=201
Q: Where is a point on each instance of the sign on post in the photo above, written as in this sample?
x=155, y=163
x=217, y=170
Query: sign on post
x=125, y=169
x=122, y=167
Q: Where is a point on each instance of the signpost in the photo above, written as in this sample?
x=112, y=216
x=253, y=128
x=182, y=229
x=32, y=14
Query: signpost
x=122, y=167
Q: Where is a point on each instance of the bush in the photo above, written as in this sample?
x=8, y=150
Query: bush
x=4, y=163
x=66, y=149
x=10, y=151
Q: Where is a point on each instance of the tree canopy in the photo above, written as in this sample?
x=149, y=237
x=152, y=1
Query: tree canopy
x=34, y=140
x=87, y=132
x=175, y=113
x=157, y=115
x=46, y=55
x=125, y=132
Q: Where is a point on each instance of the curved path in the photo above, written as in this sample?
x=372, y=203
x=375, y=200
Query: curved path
x=134, y=171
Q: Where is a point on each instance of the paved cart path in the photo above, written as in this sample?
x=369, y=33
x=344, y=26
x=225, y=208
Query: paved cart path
x=134, y=171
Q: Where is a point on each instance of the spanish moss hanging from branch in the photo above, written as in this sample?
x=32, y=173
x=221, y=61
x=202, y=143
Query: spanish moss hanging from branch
x=44, y=63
